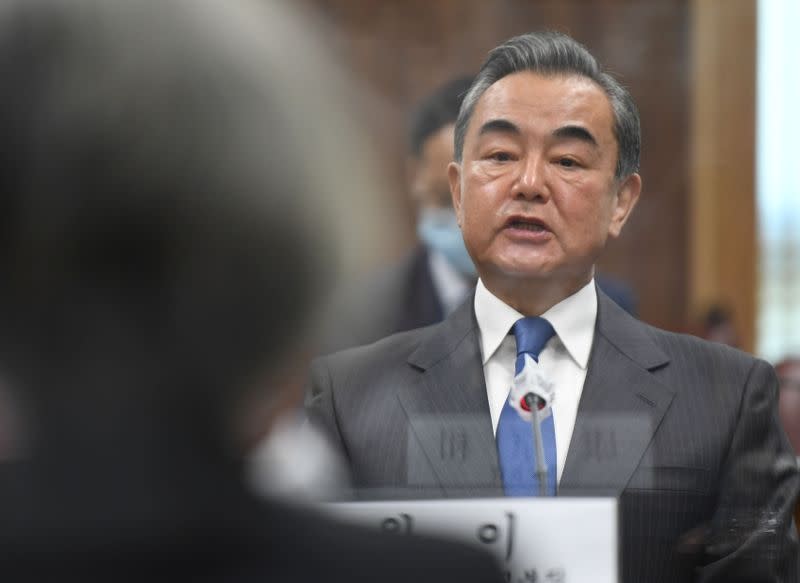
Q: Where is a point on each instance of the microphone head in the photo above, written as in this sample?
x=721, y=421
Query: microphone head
x=530, y=400
x=531, y=388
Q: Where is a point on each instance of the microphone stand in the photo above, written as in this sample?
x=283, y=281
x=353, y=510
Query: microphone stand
x=533, y=402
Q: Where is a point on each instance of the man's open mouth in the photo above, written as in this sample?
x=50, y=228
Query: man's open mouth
x=526, y=224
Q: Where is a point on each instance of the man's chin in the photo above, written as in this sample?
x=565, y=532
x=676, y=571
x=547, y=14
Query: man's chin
x=535, y=274
x=524, y=271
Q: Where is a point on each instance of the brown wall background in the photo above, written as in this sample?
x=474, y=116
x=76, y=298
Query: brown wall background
x=401, y=49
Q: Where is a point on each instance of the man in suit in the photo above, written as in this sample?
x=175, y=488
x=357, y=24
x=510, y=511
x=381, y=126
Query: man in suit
x=160, y=271
x=683, y=431
x=435, y=277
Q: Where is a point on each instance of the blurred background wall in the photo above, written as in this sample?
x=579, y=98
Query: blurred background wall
x=693, y=242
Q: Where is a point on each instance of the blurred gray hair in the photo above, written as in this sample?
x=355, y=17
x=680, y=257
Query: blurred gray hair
x=552, y=53
x=166, y=216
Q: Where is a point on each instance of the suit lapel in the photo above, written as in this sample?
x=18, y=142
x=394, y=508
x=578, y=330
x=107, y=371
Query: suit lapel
x=621, y=406
x=451, y=439
x=452, y=443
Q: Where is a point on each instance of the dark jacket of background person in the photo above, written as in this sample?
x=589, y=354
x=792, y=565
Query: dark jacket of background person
x=403, y=294
x=160, y=265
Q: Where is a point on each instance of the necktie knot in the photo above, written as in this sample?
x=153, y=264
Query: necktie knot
x=532, y=334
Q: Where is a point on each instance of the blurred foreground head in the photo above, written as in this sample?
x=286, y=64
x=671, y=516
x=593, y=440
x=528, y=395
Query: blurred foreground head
x=163, y=240
x=164, y=185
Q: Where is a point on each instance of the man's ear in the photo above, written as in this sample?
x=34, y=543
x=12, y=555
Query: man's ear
x=626, y=198
x=454, y=177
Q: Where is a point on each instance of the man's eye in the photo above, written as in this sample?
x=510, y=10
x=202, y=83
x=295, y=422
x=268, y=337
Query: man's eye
x=567, y=162
x=500, y=157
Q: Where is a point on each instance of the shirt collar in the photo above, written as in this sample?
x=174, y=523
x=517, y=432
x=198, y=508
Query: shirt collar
x=573, y=319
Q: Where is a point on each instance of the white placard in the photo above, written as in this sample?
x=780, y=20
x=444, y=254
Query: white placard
x=537, y=540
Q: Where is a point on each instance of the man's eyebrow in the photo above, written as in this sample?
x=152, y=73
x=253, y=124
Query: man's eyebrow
x=499, y=125
x=575, y=133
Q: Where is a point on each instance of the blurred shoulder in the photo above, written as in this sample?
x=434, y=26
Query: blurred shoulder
x=391, y=350
x=695, y=362
x=686, y=347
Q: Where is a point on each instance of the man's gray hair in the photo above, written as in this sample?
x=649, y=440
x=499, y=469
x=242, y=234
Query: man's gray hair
x=552, y=53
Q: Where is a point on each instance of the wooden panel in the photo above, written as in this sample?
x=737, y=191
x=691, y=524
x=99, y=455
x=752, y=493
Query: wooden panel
x=401, y=49
x=723, y=227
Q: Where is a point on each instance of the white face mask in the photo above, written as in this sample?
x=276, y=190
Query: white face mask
x=438, y=229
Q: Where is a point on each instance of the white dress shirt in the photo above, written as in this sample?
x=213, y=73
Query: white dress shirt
x=564, y=358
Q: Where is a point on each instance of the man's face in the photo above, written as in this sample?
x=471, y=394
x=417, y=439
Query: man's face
x=429, y=185
x=535, y=193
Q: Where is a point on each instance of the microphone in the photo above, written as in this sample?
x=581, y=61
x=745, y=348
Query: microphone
x=535, y=404
x=531, y=395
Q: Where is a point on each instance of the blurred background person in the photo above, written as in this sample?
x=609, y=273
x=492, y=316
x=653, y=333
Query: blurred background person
x=164, y=246
x=437, y=274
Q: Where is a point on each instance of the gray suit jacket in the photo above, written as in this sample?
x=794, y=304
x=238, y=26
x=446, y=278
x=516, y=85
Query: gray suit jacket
x=685, y=432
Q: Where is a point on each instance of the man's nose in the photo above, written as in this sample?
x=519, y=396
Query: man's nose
x=531, y=181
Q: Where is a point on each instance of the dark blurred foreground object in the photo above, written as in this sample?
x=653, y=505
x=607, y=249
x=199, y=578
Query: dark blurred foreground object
x=160, y=255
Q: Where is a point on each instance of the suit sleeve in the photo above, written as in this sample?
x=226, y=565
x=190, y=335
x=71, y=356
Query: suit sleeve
x=752, y=535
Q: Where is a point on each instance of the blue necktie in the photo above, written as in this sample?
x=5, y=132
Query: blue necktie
x=514, y=434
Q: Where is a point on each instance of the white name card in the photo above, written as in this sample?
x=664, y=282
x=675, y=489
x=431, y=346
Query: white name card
x=537, y=540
